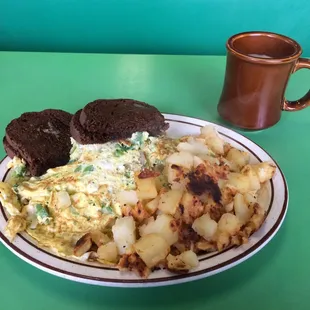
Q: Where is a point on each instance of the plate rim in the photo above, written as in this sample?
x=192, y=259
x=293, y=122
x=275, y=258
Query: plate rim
x=175, y=279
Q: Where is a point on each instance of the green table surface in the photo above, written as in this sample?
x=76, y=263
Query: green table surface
x=275, y=278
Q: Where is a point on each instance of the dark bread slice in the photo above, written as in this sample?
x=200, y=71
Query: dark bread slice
x=11, y=152
x=42, y=139
x=83, y=136
x=115, y=116
x=61, y=115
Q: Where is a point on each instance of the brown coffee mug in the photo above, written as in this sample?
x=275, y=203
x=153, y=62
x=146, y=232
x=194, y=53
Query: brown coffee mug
x=258, y=68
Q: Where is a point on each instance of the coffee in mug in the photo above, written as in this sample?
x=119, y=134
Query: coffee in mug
x=258, y=68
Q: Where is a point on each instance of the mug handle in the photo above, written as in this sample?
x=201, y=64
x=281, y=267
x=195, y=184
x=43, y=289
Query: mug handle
x=303, y=102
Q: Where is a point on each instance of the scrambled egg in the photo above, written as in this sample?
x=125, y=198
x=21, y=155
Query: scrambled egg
x=66, y=202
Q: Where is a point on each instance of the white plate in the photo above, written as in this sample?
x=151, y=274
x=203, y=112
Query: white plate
x=210, y=264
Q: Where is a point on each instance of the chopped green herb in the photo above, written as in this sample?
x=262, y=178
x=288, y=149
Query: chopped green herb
x=89, y=168
x=138, y=139
x=118, y=153
x=147, y=162
x=87, y=217
x=42, y=214
x=78, y=168
x=15, y=188
x=74, y=211
x=106, y=209
x=127, y=174
x=167, y=185
x=121, y=149
x=20, y=171
x=91, y=202
x=86, y=169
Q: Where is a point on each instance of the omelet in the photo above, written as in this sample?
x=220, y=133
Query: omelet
x=66, y=202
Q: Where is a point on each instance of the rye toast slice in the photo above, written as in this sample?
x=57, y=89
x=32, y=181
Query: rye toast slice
x=10, y=151
x=82, y=136
x=42, y=139
x=116, y=116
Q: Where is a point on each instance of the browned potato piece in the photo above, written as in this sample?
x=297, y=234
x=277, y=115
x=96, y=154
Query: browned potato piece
x=228, y=226
x=183, y=262
x=193, y=146
x=179, y=247
x=148, y=174
x=223, y=240
x=264, y=171
x=124, y=233
x=169, y=201
x=250, y=198
x=133, y=262
x=241, y=208
x=99, y=238
x=192, y=208
x=240, y=181
x=83, y=245
x=198, y=161
x=205, y=226
x=215, y=210
x=127, y=197
x=207, y=158
x=162, y=226
x=227, y=148
x=257, y=218
x=93, y=256
x=146, y=188
x=206, y=246
x=228, y=194
x=182, y=159
x=176, y=177
x=152, y=205
x=229, y=223
x=138, y=212
x=263, y=197
x=254, y=180
x=108, y=252
x=238, y=159
x=213, y=139
x=152, y=249
x=229, y=207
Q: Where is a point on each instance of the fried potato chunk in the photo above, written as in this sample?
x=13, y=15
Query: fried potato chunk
x=152, y=249
x=83, y=245
x=183, y=262
x=132, y=262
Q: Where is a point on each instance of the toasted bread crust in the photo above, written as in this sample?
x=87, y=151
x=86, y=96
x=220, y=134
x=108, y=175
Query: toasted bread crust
x=110, y=116
x=10, y=151
x=42, y=139
x=83, y=136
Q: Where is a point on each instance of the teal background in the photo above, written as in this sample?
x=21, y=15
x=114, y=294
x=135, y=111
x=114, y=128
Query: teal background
x=145, y=26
